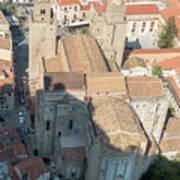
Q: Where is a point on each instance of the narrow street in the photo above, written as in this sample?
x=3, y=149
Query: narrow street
x=20, y=58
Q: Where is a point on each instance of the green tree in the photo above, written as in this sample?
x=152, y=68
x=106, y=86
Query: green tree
x=172, y=110
x=84, y=31
x=157, y=71
x=10, y=8
x=168, y=33
x=163, y=169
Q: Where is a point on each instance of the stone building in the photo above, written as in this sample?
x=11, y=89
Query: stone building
x=170, y=146
x=60, y=116
x=152, y=56
x=42, y=40
x=135, y=66
x=150, y=103
x=116, y=143
x=4, y=25
x=85, y=123
x=109, y=28
x=32, y=168
x=144, y=25
x=6, y=66
x=67, y=11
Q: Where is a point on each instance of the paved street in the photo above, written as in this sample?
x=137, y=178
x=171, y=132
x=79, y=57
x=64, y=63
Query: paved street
x=20, y=117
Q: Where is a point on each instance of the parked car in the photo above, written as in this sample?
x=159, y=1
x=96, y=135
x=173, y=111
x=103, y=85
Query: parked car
x=21, y=116
x=21, y=95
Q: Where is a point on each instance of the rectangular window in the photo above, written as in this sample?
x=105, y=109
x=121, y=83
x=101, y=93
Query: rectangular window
x=151, y=26
x=143, y=27
x=70, y=124
x=25, y=177
x=43, y=11
x=84, y=15
x=47, y=125
x=134, y=27
x=74, y=16
x=65, y=17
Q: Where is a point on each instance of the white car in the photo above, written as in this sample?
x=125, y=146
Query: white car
x=21, y=116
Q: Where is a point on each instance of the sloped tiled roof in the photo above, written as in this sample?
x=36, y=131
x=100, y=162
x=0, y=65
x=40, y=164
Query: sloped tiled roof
x=153, y=51
x=67, y=2
x=33, y=167
x=171, y=63
x=5, y=43
x=106, y=83
x=142, y=9
x=86, y=7
x=116, y=124
x=139, y=87
x=99, y=8
x=83, y=54
x=171, y=138
x=173, y=9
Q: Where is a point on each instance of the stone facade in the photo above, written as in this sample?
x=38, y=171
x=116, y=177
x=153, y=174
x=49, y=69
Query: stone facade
x=110, y=31
x=143, y=26
x=109, y=158
x=42, y=36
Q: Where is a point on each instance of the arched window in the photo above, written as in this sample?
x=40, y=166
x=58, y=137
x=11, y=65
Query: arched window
x=84, y=15
x=151, y=26
x=143, y=27
x=133, y=27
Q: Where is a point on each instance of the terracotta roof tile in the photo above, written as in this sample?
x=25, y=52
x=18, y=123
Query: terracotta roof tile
x=67, y=2
x=106, y=83
x=173, y=144
x=142, y=9
x=148, y=51
x=83, y=54
x=86, y=7
x=99, y=8
x=115, y=124
x=174, y=86
x=3, y=19
x=104, y=1
x=5, y=43
x=33, y=167
x=173, y=126
x=171, y=63
x=172, y=10
x=171, y=138
x=13, y=172
x=5, y=65
x=19, y=148
x=144, y=87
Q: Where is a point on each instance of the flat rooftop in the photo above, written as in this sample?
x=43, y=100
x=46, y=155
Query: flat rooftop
x=62, y=81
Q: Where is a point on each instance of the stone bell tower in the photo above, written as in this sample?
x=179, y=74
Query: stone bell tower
x=110, y=31
x=42, y=40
